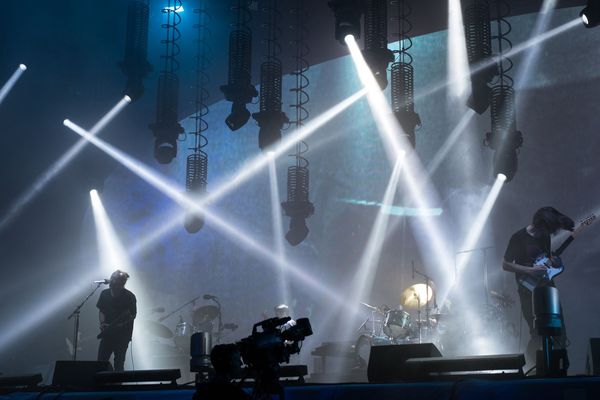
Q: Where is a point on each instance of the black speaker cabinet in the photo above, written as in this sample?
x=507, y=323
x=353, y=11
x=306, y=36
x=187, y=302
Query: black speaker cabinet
x=592, y=364
x=386, y=363
x=78, y=373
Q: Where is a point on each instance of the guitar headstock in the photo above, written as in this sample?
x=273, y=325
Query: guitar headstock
x=584, y=223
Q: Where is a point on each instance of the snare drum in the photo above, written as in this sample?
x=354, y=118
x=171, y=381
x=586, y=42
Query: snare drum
x=396, y=324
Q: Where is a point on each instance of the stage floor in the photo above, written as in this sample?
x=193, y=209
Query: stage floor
x=570, y=388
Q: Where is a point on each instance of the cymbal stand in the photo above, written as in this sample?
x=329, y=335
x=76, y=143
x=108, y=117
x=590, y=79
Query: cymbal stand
x=220, y=326
x=428, y=290
x=178, y=308
x=75, y=314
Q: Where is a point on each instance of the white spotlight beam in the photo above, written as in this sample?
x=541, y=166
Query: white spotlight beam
x=253, y=166
x=363, y=279
x=476, y=229
x=43, y=180
x=176, y=193
x=458, y=61
x=10, y=83
x=55, y=301
x=450, y=142
x=530, y=58
x=393, y=138
x=517, y=49
x=112, y=254
x=278, y=230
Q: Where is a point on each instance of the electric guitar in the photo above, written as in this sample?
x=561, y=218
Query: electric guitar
x=556, y=268
x=114, y=326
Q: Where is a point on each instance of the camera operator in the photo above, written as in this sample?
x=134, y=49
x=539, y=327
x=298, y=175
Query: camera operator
x=283, y=311
x=226, y=362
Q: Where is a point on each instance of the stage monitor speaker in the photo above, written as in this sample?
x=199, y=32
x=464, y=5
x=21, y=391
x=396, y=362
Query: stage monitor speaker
x=386, y=363
x=505, y=364
x=143, y=375
x=592, y=364
x=78, y=373
x=26, y=381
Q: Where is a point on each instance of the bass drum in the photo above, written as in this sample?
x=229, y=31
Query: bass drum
x=363, y=348
x=396, y=324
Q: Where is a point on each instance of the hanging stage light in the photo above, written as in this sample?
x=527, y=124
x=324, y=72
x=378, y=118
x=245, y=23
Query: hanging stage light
x=135, y=66
x=270, y=118
x=167, y=128
x=504, y=137
x=590, y=15
x=197, y=162
x=347, y=18
x=403, y=86
x=479, y=48
x=376, y=53
x=239, y=90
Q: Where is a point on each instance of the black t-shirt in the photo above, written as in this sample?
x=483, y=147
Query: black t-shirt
x=523, y=248
x=114, y=307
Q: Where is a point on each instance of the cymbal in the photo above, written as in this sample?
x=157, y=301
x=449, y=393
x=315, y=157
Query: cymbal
x=416, y=295
x=205, y=314
x=155, y=328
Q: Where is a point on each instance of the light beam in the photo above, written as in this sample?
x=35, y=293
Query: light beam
x=228, y=229
x=10, y=83
x=43, y=180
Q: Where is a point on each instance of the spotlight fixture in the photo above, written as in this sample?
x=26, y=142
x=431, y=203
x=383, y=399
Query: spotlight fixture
x=504, y=138
x=270, y=118
x=167, y=129
x=403, y=86
x=590, y=15
x=135, y=65
x=196, y=172
x=347, y=18
x=376, y=53
x=298, y=207
x=239, y=91
x=478, y=37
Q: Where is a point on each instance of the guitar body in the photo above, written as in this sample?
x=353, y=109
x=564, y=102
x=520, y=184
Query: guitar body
x=115, y=325
x=531, y=283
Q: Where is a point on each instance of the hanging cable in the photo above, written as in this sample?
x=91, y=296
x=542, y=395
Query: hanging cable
x=376, y=52
x=239, y=89
x=135, y=65
x=403, y=91
x=167, y=128
x=270, y=118
x=479, y=49
x=504, y=137
x=298, y=206
x=197, y=162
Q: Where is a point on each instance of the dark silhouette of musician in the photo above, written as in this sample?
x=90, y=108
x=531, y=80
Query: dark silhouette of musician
x=524, y=247
x=117, y=310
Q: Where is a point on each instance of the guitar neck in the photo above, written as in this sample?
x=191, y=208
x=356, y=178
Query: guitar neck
x=564, y=245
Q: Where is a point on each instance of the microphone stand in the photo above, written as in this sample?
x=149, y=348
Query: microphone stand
x=75, y=314
x=177, y=309
x=484, y=250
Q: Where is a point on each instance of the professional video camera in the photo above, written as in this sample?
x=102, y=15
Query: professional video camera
x=262, y=353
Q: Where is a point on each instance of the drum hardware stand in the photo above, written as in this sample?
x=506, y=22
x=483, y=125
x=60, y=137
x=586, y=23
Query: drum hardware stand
x=220, y=325
x=178, y=308
x=428, y=281
x=75, y=314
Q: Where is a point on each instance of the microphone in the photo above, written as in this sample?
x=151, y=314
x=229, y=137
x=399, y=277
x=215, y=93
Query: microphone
x=157, y=310
x=209, y=297
x=233, y=327
x=103, y=281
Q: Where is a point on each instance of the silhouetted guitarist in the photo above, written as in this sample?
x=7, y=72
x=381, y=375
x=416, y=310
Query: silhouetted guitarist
x=117, y=307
